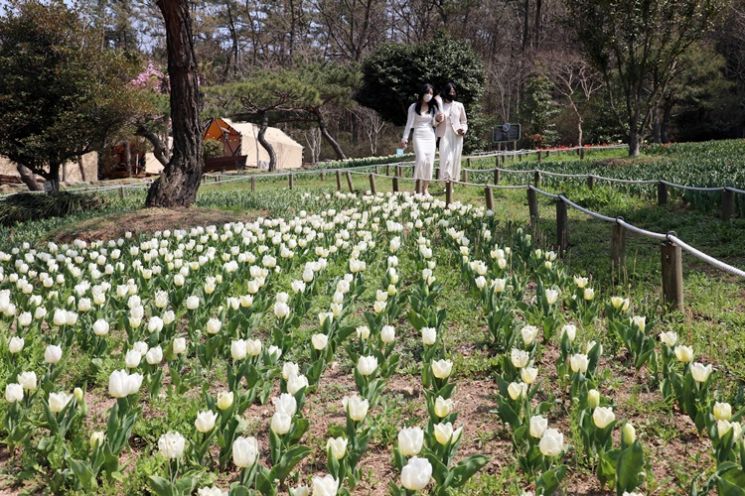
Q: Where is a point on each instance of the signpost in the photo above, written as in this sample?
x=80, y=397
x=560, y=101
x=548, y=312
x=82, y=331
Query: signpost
x=507, y=133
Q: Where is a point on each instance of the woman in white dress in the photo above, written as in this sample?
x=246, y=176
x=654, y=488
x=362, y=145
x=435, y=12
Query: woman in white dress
x=421, y=118
x=451, y=129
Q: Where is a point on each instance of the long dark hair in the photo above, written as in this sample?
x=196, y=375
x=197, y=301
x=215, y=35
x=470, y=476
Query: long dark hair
x=446, y=90
x=426, y=88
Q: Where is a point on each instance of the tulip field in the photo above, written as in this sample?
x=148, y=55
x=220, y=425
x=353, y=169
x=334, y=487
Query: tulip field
x=359, y=344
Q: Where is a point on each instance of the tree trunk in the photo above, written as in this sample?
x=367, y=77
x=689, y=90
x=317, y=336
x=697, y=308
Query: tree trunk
x=634, y=142
x=52, y=179
x=159, y=149
x=28, y=178
x=329, y=139
x=267, y=146
x=179, y=181
x=665, y=124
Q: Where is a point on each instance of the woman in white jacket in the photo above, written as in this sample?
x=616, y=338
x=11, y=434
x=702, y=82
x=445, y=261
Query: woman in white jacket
x=422, y=119
x=451, y=129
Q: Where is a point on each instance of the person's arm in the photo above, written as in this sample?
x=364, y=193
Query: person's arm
x=439, y=116
x=463, y=119
x=409, y=125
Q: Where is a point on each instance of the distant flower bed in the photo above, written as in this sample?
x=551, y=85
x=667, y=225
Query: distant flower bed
x=361, y=162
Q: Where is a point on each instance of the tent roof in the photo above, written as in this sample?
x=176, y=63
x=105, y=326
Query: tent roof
x=272, y=134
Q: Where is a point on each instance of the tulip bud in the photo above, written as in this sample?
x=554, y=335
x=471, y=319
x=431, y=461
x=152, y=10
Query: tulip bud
x=224, y=400
x=443, y=407
x=245, y=451
x=337, y=446
x=387, y=334
x=281, y=423
x=593, y=398
x=96, y=438
x=319, y=341
x=355, y=407
x=628, y=433
x=538, y=425
x=429, y=336
x=721, y=411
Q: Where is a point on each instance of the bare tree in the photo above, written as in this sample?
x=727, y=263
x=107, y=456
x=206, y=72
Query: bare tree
x=372, y=124
x=576, y=80
x=314, y=140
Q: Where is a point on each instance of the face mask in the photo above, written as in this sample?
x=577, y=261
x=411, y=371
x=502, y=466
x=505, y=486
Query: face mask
x=427, y=97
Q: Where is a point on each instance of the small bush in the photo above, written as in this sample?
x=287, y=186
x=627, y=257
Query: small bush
x=23, y=207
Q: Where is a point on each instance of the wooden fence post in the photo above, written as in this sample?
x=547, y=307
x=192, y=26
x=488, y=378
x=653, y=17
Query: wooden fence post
x=387, y=170
x=373, y=190
x=349, y=182
x=121, y=193
x=661, y=193
x=539, y=156
x=617, y=248
x=672, y=274
x=253, y=184
x=338, y=181
x=323, y=176
x=417, y=186
x=582, y=153
x=536, y=177
x=290, y=181
x=532, y=206
x=590, y=181
x=489, y=198
x=496, y=176
x=464, y=175
x=562, y=225
x=468, y=162
x=398, y=170
x=394, y=184
x=728, y=204
x=448, y=192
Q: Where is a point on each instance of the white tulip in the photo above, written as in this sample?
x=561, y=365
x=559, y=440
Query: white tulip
x=237, y=349
x=205, y=421
x=442, y=368
x=603, y=416
x=15, y=344
x=684, y=354
x=570, y=330
x=443, y=407
x=285, y=403
x=281, y=310
x=356, y=407
x=171, y=445
x=363, y=332
x=154, y=355
x=319, y=341
x=721, y=411
x=416, y=474
x=388, y=334
x=529, y=375
x=700, y=372
x=132, y=359
x=27, y=380
x=296, y=383
x=337, y=446
x=579, y=363
x=639, y=322
x=58, y=401
x=410, y=441
x=281, y=423
x=224, y=400
x=538, y=425
x=517, y=390
x=443, y=432
x=325, y=486
x=52, y=354
x=529, y=334
x=245, y=451
x=213, y=326
x=289, y=369
x=179, y=346
x=519, y=358
x=669, y=338
x=429, y=336
x=13, y=393
x=366, y=365
x=253, y=347
x=100, y=327
x=551, y=443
